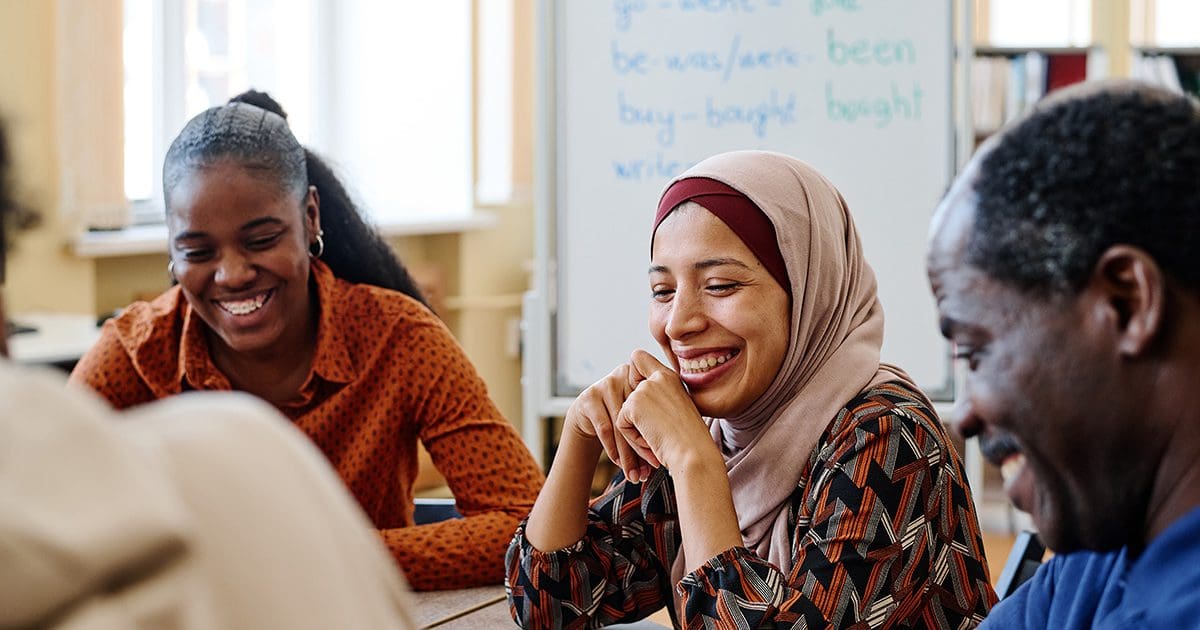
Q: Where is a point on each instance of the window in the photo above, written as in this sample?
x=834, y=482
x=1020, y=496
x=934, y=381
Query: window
x=1166, y=43
x=494, y=129
x=1038, y=22
x=400, y=105
x=1169, y=22
x=184, y=56
x=381, y=89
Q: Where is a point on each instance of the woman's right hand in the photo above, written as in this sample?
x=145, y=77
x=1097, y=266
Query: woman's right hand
x=593, y=416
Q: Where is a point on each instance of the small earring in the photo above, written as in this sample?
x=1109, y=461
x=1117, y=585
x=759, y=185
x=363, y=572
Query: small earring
x=171, y=269
x=320, y=245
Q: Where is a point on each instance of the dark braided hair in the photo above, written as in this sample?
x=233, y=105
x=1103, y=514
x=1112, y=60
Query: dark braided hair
x=1119, y=164
x=252, y=130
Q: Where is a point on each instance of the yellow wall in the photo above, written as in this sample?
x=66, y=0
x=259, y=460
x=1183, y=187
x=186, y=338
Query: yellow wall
x=123, y=279
x=41, y=273
x=60, y=95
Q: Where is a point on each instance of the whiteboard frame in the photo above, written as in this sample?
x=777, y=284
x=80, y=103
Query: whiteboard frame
x=541, y=396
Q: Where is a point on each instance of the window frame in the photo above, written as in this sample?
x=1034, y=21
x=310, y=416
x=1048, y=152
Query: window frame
x=489, y=112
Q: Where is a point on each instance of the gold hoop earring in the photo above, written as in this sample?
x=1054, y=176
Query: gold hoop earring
x=171, y=269
x=320, y=245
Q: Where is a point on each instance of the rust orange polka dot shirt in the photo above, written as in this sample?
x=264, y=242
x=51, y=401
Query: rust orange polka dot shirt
x=386, y=373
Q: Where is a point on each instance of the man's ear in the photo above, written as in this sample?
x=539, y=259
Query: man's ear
x=1131, y=291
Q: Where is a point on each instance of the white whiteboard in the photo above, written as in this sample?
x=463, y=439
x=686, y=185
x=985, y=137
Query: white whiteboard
x=642, y=89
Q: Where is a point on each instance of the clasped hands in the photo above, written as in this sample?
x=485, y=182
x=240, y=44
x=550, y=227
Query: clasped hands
x=642, y=415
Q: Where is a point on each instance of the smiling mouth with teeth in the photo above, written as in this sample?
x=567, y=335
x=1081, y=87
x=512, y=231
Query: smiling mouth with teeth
x=1011, y=467
x=704, y=364
x=244, y=307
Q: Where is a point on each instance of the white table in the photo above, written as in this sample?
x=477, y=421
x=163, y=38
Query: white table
x=60, y=338
x=482, y=607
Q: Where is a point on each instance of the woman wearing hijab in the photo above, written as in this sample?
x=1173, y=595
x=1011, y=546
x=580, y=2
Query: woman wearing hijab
x=776, y=474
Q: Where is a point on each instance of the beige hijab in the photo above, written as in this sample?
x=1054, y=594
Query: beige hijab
x=833, y=348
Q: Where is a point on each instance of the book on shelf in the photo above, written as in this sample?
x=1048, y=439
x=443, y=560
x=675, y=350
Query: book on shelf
x=1032, y=68
x=1156, y=69
x=1064, y=70
x=1176, y=71
x=1004, y=86
x=989, y=90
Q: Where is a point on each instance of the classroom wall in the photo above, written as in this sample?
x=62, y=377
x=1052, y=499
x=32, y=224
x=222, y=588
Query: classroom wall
x=42, y=275
x=60, y=78
x=494, y=263
x=60, y=75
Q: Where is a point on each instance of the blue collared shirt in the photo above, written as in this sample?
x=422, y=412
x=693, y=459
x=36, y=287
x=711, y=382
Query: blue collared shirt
x=1159, y=589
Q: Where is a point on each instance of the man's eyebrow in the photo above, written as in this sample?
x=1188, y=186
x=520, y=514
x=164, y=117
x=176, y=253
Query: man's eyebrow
x=707, y=263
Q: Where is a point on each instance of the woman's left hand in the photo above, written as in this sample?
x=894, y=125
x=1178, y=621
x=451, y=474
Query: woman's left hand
x=659, y=414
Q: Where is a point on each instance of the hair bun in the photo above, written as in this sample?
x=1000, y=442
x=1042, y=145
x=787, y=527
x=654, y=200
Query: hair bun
x=261, y=100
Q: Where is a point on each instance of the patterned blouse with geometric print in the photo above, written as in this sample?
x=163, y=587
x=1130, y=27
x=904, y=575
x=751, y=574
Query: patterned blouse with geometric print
x=885, y=536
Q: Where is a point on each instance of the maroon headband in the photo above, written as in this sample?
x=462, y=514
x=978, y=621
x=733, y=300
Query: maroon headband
x=736, y=210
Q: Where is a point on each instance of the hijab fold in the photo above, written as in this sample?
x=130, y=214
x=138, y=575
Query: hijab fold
x=835, y=334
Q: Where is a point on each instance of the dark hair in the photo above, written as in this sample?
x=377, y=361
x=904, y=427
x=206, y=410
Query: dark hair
x=1120, y=164
x=252, y=130
x=6, y=203
x=14, y=216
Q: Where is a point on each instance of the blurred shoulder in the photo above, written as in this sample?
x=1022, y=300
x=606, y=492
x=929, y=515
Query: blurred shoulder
x=234, y=421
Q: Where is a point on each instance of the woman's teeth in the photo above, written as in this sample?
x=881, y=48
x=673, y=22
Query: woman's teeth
x=244, y=307
x=704, y=364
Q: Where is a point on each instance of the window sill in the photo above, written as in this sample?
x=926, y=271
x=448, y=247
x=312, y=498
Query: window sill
x=152, y=239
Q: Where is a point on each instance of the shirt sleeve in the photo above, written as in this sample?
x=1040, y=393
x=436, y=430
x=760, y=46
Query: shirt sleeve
x=616, y=573
x=108, y=370
x=874, y=544
x=491, y=473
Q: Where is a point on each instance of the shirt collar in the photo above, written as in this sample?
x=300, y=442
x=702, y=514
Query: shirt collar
x=331, y=362
x=196, y=368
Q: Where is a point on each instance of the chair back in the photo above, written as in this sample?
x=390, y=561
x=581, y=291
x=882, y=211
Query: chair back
x=1023, y=562
x=433, y=510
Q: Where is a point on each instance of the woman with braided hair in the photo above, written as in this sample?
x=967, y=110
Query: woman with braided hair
x=283, y=291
